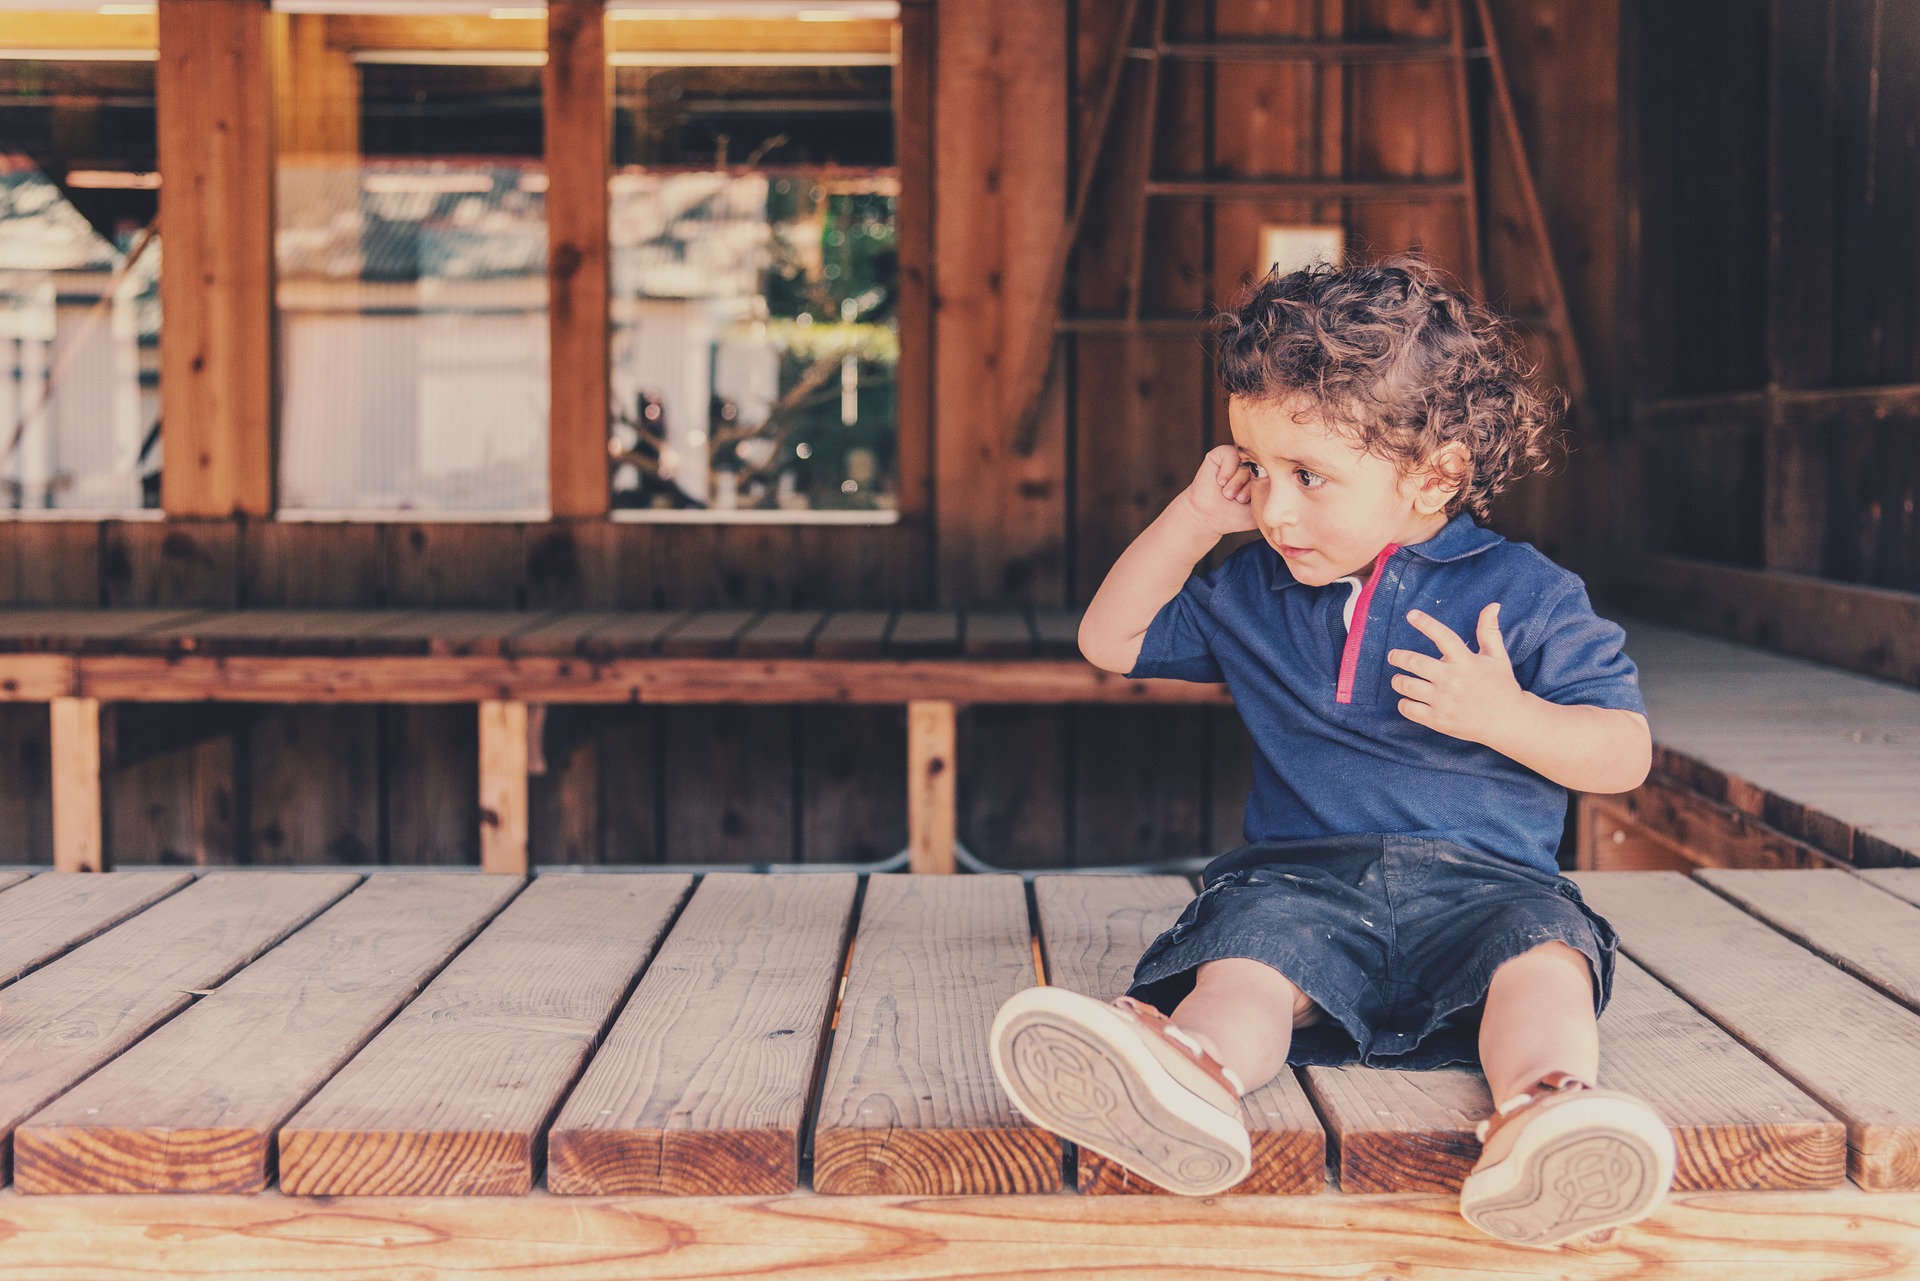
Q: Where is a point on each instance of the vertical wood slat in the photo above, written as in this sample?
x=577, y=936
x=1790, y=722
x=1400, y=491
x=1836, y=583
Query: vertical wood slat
x=932, y=817
x=503, y=786
x=77, y=839
x=214, y=120
x=576, y=85
x=914, y=114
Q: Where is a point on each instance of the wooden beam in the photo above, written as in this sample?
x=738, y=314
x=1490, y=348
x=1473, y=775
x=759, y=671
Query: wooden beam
x=214, y=117
x=579, y=126
x=1870, y=630
x=77, y=843
x=503, y=786
x=932, y=820
x=913, y=117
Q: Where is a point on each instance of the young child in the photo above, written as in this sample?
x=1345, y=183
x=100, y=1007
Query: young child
x=1398, y=903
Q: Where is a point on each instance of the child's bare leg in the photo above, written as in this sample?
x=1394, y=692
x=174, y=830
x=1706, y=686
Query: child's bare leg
x=1539, y=1019
x=1243, y=1013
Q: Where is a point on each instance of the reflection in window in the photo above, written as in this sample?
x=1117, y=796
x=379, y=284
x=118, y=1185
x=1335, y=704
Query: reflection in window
x=754, y=288
x=412, y=290
x=79, y=287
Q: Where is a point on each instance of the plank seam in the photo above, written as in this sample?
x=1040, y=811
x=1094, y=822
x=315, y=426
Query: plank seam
x=817, y=1077
x=192, y=879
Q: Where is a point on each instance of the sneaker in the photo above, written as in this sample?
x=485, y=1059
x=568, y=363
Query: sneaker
x=1120, y=1080
x=1564, y=1159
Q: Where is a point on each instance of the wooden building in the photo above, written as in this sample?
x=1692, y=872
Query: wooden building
x=1703, y=215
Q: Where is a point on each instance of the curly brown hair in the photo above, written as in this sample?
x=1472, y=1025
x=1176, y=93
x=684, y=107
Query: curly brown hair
x=1394, y=354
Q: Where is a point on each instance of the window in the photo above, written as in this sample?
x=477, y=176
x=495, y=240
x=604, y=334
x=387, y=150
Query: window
x=411, y=261
x=755, y=274
x=79, y=267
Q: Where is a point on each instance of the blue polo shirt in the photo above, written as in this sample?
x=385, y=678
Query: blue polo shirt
x=1332, y=753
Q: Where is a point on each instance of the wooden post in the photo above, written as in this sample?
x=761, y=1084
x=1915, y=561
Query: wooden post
x=931, y=816
x=503, y=786
x=214, y=113
x=77, y=844
x=579, y=133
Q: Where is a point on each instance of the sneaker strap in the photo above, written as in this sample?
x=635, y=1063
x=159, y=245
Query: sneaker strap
x=1157, y=1024
x=1551, y=1084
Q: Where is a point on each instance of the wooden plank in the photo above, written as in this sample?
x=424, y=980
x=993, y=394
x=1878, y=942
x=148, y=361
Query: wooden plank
x=578, y=117
x=1139, y=785
x=503, y=786
x=1057, y=632
x=1786, y=1236
x=35, y=678
x=194, y=1107
x=252, y=679
x=710, y=633
x=1710, y=833
x=10, y=879
x=913, y=38
x=1093, y=930
x=50, y=914
x=1867, y=932
x=702, y=1084
x=452, y=1097
x=447, y=632
x=631, y=634
x=1849, y=1047
x=998, y=634
x=214, y=123
x=853, y=633
x=932, y=764
x=75, y=631
x=561, y=635
x=925, y=633
x=78, y=845
x=909, y=1103
x=728, y=783
x=1902, y=881
x=1736, y=1123
x=780, y=633
x=66, y=1019
x=853, y=794
x=1015, y=785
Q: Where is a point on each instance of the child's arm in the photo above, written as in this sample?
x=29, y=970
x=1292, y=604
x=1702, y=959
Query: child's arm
x=1155, y=566
x=1475, y=697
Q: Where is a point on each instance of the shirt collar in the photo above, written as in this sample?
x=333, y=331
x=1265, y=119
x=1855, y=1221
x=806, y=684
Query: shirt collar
x=1458, y=539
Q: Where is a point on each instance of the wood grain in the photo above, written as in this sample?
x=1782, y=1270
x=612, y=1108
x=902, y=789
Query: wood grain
x=702, y=1085
x=66, y=1019
x=78, y=839
x=1867, y=932
x=452, y=1097
x=49, y=914
x=503, y=786
x=909, y=1103
x=1093, y=930
x=1901, y=881
x=1779, y=1236
x=194, y=1107
x=1854, y=1050
x=932, y=768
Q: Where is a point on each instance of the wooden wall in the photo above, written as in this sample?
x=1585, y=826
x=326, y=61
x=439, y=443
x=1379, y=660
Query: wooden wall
x=1006, y=518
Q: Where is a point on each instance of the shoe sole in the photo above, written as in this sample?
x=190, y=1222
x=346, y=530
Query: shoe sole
x=1076, y=1067
x=1582, y=1179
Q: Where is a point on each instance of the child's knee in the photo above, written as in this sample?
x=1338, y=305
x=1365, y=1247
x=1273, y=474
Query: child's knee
x=1549, y=962
x=1239, y=978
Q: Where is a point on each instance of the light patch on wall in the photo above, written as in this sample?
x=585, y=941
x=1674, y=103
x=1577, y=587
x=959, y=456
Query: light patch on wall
x=1292, y=247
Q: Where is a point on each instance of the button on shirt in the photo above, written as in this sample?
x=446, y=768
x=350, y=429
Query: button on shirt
x=1332, y=753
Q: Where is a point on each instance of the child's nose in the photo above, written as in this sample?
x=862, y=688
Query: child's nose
x=1276, y=509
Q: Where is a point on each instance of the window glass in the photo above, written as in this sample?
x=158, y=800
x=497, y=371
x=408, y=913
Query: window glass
x=754, y=283
x=79, y=277
x=411, y=259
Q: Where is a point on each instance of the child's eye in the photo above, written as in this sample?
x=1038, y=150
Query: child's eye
x=1309, y=480
x=1259, y=472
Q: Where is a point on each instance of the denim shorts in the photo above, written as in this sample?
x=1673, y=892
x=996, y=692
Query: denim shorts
x=1395, y=937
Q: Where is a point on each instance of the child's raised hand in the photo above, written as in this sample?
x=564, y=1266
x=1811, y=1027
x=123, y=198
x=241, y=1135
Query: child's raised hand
x=1221, y=494
x=1461, y=693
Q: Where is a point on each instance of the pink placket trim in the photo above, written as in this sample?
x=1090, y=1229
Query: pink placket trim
x=1350, y=655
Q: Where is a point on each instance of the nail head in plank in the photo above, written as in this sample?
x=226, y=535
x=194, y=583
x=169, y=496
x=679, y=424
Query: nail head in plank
x=998, y=634
x=1093, y=930
x=193, y=1107
x=853, y=633
x=910, y=1106
x=1855, y=925
x=452, y=1097
x=781, y=633
x=707, y=634
x=925, y=633
x=63, y=1021
x=1851, y=1048
x=701, y=1087
x=49, y=914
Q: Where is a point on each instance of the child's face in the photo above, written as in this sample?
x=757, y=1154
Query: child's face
x=1326, y=505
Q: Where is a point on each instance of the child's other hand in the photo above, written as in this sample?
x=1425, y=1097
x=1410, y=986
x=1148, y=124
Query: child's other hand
x=1221, y=495
x=1461, y=694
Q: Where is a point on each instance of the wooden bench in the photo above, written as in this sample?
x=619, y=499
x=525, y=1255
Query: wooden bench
x=630, y=1075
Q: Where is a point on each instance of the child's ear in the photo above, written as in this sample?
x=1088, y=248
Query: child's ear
x=1445, y=475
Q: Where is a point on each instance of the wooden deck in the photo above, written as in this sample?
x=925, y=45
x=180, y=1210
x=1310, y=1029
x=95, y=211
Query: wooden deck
x=637, y=1075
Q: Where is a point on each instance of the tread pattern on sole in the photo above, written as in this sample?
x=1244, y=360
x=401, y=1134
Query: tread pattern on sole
x=1578, y=1183
x=1068, y=1084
